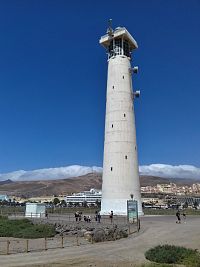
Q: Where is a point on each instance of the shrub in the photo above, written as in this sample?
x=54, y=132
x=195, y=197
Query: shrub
x=173, y=254
x=24, y=229
x=3, y=217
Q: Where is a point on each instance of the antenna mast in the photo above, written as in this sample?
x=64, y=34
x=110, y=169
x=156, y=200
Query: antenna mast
x=110, y=30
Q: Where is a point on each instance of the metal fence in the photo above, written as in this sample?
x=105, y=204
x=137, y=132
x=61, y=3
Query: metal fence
x=70, y=217
x=54, y=218
x=13, y=245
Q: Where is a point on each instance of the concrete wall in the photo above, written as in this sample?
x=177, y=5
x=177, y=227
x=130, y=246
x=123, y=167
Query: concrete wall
x=120, y=166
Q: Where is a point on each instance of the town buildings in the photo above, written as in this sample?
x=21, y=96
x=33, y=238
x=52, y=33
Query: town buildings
x=171, y=193
x=172, y=188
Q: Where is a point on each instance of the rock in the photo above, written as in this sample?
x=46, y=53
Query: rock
x=110, y=234
x=81, y=232
x=59, y=230
x=90, y=228
x=123, y=233
x=120, y=233
x=98, y=232
x=88, y=235
x=99, y=235
x=74, y=232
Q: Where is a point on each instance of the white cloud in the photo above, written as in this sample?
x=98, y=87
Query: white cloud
x=170, y=171
x=49, y=174
x=162, y=170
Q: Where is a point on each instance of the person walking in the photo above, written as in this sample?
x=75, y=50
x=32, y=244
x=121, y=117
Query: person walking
x=111, y=216
x=80, y=216
x=76, y=215
x=96, y=215
x=99, y=217
x=178, y=215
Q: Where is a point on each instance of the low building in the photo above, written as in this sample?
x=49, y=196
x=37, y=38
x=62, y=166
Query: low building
x=35, y=210
x=90, y=197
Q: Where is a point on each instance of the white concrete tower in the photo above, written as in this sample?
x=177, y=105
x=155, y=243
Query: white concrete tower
x=120, y=166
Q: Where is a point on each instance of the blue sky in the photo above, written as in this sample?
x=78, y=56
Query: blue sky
x=53, y=81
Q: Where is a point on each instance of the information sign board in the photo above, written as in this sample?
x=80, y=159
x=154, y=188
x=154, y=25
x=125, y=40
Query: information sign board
x=132, y=211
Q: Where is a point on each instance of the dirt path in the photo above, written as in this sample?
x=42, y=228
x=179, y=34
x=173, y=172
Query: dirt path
x=125, y=252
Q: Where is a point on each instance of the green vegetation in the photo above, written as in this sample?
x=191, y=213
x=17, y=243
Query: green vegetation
x=24, y=229
x=169, y=211
x=174, y=255
x=11, y=209
x=56, y=201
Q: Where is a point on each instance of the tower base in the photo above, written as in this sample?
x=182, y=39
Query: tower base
x=118, y=206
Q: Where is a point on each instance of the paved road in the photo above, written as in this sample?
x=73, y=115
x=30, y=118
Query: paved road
x=125, y=252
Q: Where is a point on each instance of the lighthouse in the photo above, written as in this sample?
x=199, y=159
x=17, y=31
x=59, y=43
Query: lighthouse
x=120, y=163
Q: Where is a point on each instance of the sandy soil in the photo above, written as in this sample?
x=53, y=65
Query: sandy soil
x=125, y=252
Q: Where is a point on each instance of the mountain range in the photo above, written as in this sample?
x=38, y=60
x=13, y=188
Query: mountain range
x=76, y=178
x=74, y=184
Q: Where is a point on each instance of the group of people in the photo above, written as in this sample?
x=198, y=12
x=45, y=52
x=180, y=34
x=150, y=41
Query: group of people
x=78, y=217
x=87, y=218
x=178, y=215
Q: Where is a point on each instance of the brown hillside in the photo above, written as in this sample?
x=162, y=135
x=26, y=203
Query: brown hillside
x=70, y=185
x=52, y=187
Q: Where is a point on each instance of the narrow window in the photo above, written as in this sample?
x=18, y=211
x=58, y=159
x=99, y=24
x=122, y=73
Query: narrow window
x=112, y=125
x=135, y=147
x=113, y=87
x=124, y=115
x=123, y=76
x=126, y=157
x=111, y=169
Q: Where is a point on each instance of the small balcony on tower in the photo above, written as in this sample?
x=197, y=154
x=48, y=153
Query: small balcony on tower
x=118, y=42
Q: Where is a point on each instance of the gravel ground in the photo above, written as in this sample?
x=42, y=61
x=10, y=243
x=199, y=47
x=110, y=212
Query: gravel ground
x=124, y=252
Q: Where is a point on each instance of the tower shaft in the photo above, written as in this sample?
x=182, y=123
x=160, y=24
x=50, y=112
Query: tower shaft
x=120, y=165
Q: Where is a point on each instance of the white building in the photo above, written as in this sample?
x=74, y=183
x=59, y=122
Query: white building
x=35, y=210
x=120, y=165
x=91, y=197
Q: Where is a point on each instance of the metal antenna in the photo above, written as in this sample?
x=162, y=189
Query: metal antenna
x=110, y=30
